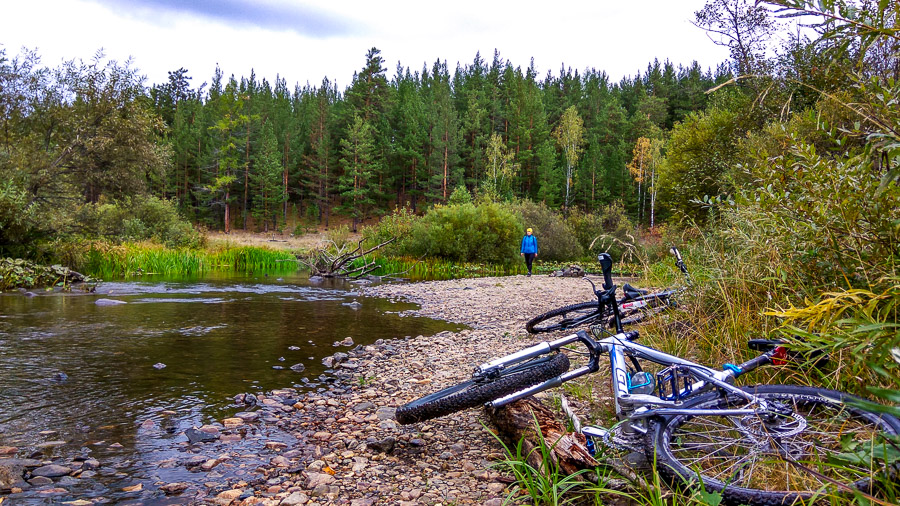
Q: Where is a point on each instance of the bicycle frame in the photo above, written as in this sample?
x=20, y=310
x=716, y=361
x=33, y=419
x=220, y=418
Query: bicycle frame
x=630, y=407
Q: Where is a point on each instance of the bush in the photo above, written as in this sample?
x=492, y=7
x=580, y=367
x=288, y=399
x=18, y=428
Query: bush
x=399, y=224
x=556, y=240
x=138, y=220
x=609, y=230
x=468, y=233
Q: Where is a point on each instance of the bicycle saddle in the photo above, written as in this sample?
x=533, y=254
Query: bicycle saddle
x=632, y=292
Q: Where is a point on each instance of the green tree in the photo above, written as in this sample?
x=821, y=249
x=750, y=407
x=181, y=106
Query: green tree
x=569, y=136
x=229, y=127
x=743, y=27
x=410, y=138
x=701, y=154
x=360, y=163
x=500, y=168
x=269, y=191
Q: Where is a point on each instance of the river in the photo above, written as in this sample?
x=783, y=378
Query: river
x=120, y=383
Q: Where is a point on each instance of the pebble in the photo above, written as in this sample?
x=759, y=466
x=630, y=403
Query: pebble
x=338, y=443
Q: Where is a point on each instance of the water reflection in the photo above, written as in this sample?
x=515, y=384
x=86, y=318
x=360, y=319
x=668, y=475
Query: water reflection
x=93, y=374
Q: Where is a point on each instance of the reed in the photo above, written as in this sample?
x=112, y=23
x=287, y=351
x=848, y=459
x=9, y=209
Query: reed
x=130, y=259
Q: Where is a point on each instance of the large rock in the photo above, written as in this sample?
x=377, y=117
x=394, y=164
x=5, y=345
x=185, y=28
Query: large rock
x=572, y=271
x=51, y=471
x=109, y=302
x=317, y=479
x=11, y=472
x=247, y=416
x=175, y=488
x=198, y=436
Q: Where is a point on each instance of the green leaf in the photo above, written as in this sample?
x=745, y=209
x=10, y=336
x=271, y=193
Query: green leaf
x=873, y=406
x=885, y=393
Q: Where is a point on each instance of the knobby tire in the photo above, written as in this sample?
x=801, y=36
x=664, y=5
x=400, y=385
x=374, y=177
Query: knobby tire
x=558, y=319
x=471, y=394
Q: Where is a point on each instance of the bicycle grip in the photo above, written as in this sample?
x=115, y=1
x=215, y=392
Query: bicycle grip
x=606, y=265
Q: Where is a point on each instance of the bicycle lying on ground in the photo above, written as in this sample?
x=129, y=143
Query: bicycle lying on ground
x=767, y=444
x=634, y=306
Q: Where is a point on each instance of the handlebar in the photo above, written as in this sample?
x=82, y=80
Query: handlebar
x=606, y=264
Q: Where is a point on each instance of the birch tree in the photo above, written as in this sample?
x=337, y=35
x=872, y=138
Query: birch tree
x=569, y=135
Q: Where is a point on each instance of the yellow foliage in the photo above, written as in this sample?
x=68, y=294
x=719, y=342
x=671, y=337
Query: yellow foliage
x=836, y=305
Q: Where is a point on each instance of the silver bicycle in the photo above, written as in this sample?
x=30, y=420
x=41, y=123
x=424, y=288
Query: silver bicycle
x=766, y=444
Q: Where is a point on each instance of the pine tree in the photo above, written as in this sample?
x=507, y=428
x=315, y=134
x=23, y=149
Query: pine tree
x=360, y=164
x=268, y=188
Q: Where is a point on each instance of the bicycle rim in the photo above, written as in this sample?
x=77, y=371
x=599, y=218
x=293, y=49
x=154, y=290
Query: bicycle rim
x=793, y=459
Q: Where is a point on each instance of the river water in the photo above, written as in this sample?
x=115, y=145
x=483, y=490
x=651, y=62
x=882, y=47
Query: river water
x=79, y=378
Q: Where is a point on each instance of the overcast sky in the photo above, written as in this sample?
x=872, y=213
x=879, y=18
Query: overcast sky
x=305, y=41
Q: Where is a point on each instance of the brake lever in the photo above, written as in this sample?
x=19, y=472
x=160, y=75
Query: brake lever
x=593, y=286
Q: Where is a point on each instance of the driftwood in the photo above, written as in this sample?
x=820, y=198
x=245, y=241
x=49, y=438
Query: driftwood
x=333, y=261
x=516, y=422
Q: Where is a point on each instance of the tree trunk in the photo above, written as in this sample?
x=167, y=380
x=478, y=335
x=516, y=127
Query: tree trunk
x=227, y=214
x=246, y=174
x=284, y=196
x=446, y=163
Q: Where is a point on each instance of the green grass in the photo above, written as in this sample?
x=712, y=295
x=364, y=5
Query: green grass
x=433, y=268
x=132, y=259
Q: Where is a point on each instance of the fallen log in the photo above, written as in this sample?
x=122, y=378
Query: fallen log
x=333, y=261
x=516, y=422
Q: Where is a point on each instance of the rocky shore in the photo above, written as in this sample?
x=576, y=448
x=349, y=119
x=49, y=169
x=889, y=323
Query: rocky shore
x=340, y=444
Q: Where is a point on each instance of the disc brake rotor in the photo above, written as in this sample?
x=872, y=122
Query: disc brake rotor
x=783, y=426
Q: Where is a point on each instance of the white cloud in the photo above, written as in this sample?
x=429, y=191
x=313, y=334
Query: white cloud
x=618, y=38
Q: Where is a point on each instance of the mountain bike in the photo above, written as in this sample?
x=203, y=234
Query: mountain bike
x=766, y=444
x=634, y=306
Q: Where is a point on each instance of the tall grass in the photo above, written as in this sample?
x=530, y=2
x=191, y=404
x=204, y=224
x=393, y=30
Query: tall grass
x=436, y=268
x=110, y=261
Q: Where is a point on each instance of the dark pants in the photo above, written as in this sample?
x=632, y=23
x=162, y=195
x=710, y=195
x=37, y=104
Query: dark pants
x=529, y=258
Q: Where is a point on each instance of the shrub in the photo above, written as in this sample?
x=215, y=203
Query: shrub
x=556, y=240
x=138, y=220
x=609, y=230
x=340, y=236
x=399, y=224
x=468, y=233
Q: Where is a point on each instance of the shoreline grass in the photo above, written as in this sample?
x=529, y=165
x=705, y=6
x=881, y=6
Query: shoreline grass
x=135, y=259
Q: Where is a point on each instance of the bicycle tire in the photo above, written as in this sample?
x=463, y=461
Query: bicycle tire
x=633, y=316
x=557, y=319
x=751, y=450
x=470, y=394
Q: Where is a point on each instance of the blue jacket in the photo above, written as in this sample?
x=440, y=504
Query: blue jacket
x=529, y=244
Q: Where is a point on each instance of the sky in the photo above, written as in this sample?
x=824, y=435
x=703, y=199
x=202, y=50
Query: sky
x=303, y=41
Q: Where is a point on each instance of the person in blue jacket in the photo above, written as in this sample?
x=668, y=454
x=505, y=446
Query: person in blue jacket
x=529, y=249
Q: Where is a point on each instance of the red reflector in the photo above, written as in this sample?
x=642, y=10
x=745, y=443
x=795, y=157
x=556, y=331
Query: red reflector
x=779, y=357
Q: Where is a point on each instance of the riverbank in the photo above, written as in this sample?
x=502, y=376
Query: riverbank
x=350, y=450
x=334, y=442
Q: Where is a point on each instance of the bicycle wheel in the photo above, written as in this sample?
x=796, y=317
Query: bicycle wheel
x=752, y=461
x=567, y=317
x=472, y=393
x=632, y=316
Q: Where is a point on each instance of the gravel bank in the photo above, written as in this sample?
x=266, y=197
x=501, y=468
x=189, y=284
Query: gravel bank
x=350, y=431
x=340, y=444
